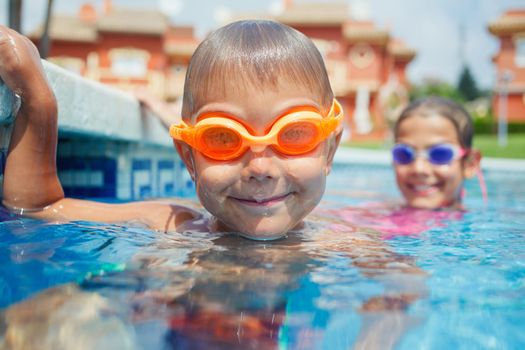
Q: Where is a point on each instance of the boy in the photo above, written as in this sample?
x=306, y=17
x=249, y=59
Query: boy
x=260, y=130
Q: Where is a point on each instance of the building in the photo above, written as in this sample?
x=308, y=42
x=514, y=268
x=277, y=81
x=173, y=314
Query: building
x=110, y=153
x=124, y=48
x=509, y=90
x=366, y=65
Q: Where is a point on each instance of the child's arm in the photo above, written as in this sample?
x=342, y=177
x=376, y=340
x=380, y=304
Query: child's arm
x=30, y=177
x=31, y=184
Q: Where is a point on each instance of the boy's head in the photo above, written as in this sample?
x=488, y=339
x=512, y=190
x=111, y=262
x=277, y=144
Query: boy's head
x=253, y=55
x=268, y=82
x=441, y=130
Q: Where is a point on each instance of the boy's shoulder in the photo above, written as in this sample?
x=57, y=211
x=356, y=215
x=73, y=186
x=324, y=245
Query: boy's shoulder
x=170, y=215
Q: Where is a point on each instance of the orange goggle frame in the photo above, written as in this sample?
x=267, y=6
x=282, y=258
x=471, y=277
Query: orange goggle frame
x=221, y=137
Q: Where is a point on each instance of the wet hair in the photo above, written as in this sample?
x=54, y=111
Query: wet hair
x=451, y=110
x=254, y=54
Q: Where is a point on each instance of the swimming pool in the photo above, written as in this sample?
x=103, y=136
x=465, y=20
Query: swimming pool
x=357, y=277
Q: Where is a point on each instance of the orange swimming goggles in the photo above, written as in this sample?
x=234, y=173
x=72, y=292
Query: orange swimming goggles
x=220, y=137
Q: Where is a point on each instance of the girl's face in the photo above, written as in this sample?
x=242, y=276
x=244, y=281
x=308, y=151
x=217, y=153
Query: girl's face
x=423, y=184
x=263, y=194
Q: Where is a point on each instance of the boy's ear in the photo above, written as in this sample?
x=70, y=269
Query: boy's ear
x=186, y=155
x=471, y=164
x=333, y=144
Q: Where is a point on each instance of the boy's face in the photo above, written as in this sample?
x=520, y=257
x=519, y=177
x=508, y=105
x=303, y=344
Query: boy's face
x=423, y=184
x=262, y=194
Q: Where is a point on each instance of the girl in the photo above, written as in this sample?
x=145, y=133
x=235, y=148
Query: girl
x=433, y=153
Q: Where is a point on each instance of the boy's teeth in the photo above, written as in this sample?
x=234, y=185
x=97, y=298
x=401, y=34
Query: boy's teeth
x=422, y=187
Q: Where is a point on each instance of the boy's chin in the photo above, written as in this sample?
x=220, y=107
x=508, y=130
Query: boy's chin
x=264, y=237
x=259, y=232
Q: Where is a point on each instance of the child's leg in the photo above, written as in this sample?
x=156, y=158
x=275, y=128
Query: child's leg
x=30, y=177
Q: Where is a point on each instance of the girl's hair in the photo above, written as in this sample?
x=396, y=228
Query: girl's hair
x=444, y=107
x=254, y=54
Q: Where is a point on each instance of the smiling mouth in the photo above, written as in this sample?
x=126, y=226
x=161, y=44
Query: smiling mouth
x=424, y=190
x=263, y=202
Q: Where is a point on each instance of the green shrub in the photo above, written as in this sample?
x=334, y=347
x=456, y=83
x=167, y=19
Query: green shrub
x=490, y=126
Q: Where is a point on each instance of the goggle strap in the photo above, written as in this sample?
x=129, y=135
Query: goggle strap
x=482, y=186
x=180, y=132
x=480, y=176
x=332, y=122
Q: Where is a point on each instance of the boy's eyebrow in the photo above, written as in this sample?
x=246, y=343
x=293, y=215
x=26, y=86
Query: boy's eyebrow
x=238, y=115
x=298, y=103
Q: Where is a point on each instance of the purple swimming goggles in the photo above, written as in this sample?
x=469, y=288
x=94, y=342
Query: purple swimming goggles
x=438, y=154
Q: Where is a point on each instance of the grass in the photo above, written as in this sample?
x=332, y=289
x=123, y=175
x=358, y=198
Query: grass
x=365, y=144
x=487, y=144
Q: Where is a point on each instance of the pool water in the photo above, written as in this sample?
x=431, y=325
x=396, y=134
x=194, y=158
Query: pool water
x=358, y=276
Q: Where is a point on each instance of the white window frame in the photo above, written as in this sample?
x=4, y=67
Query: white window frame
x=519, y=58
x=129, y=62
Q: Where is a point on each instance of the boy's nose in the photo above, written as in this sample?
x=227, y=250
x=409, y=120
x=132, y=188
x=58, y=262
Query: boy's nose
x=260, y=165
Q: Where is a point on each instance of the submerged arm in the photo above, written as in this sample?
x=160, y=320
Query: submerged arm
x=30, y=177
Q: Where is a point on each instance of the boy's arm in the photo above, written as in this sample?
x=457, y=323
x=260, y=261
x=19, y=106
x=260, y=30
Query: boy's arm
x=30, y=177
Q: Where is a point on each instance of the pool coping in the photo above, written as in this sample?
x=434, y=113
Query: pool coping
x=347, y=155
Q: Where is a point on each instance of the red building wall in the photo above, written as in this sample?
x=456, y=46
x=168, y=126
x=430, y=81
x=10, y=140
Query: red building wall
x=509, y=29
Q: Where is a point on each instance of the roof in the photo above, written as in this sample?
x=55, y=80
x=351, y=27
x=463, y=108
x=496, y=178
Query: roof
x=365, y=31
x=315, y=14
x=134, y=21
x=400, y=51
x=68, y=28
x=511, y=22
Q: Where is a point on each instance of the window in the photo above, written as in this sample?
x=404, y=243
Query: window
x=520, y=52
x=129, y=62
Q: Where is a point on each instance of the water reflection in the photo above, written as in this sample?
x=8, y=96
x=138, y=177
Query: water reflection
x=333, y=285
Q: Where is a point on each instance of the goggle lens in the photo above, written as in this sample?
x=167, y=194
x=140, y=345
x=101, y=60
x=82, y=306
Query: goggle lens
x=219, y=142
x=403, y=154
x=298, y=137
x=437, y=155
x=441, y=154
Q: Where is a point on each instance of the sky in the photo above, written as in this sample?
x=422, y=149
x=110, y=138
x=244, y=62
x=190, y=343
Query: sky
x=445, y=33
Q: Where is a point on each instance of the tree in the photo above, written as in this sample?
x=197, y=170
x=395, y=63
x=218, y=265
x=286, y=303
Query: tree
x=467, y=86
x=434, y=87
x=44, y=40
x=15, y=14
